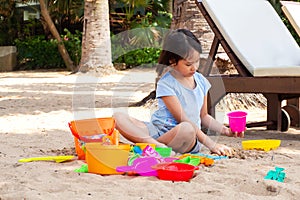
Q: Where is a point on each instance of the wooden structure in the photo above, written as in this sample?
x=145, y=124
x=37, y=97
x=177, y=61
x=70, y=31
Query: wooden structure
x=274, y=88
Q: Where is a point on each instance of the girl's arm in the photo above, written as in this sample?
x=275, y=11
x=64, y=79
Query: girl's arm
x=211, y=123
x=214, y=125
x=175, y=108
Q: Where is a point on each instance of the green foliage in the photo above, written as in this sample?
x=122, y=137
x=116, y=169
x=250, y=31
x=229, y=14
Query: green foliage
x=142, y=13
x=139, y=57
x=66, y=13
x=38, y=53
x=73, y=45
x=142, y=43
x=30, y=28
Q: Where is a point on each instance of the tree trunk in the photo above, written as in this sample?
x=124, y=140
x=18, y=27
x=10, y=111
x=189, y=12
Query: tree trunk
x=96, y=43
x=61, y=47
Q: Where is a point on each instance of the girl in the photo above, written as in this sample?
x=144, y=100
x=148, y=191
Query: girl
x=182, y=102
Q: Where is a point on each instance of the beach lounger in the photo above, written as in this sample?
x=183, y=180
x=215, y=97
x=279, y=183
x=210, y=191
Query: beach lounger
x=291, y=10
x=264, y=53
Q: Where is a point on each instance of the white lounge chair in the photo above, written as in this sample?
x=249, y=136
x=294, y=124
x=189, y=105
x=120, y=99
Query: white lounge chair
x=291, y=9
x=264, y=53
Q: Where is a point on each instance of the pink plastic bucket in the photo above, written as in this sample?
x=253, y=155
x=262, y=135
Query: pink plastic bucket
x=237, y=121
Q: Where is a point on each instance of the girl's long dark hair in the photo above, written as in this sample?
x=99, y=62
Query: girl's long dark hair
x=177, y=45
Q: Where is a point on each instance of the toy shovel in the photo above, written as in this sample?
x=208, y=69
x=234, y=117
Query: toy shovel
x=141, y=166
x=57, y=159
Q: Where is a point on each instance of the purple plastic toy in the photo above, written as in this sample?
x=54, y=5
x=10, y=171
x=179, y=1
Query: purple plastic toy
x=141, y=166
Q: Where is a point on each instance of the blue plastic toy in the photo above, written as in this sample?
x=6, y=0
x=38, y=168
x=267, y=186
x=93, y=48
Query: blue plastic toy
x=211, y=156
x=137, y=150
x=277, y=175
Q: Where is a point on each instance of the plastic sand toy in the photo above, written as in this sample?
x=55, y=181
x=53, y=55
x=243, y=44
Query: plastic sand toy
x=143, y=145
x=57, y=159
x=150, y=151
x=277, y=175
x=137, y=150
x=164, y=151
x=141, y=161
x=175, y=171
x=103, y=159
x=101, y=130
x=265, y=145
x=82, y=169
x=237, y=121
x=211, y=156
x=141, y=166
x=195, y=161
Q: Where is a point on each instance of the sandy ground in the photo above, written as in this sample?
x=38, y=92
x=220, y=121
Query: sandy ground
x=35, y=108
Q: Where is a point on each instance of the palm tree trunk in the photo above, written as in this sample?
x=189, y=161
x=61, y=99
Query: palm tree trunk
x=96, y=43
x=61, y=47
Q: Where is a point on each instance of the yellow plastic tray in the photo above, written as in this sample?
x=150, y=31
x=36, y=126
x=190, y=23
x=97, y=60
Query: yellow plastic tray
x=265, y=145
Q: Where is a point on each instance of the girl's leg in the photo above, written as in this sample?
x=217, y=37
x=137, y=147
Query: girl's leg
x=133, y=129
x=181, y=138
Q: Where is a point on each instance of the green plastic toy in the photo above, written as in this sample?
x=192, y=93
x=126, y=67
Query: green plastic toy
x=277, y=175
x=189, y=160
x=82, y=169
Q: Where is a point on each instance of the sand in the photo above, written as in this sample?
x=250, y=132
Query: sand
x=35, y=108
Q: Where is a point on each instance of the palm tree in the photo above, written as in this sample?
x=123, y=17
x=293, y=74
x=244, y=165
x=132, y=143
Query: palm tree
x=96, y=43
x=7, y=7
x=61, y=47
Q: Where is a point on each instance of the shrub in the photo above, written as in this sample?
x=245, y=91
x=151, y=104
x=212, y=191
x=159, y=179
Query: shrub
x=73, y=45
x=38, y=53
x=139, y=57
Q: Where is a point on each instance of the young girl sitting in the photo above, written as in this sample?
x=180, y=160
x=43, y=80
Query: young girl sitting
x=182, y=102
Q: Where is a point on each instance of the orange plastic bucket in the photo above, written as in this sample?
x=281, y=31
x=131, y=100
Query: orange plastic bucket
x=79, y=149
x=90, y=127
x=104, y=159
x=93, y=126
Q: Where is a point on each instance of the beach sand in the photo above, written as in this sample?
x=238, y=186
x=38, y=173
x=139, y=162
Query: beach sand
x=35, y=108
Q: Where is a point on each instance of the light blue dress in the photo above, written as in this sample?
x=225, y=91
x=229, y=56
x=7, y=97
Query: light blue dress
x=191, y=101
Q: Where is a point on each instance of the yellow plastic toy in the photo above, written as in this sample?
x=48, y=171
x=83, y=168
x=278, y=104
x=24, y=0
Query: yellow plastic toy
x=265, y=145
x=57, y=159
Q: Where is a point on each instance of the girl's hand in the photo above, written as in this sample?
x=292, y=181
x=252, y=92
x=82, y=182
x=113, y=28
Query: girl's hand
x=221, y=149
x=227, y=131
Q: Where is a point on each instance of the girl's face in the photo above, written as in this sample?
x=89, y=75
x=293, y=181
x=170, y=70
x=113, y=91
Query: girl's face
x=187, y=67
